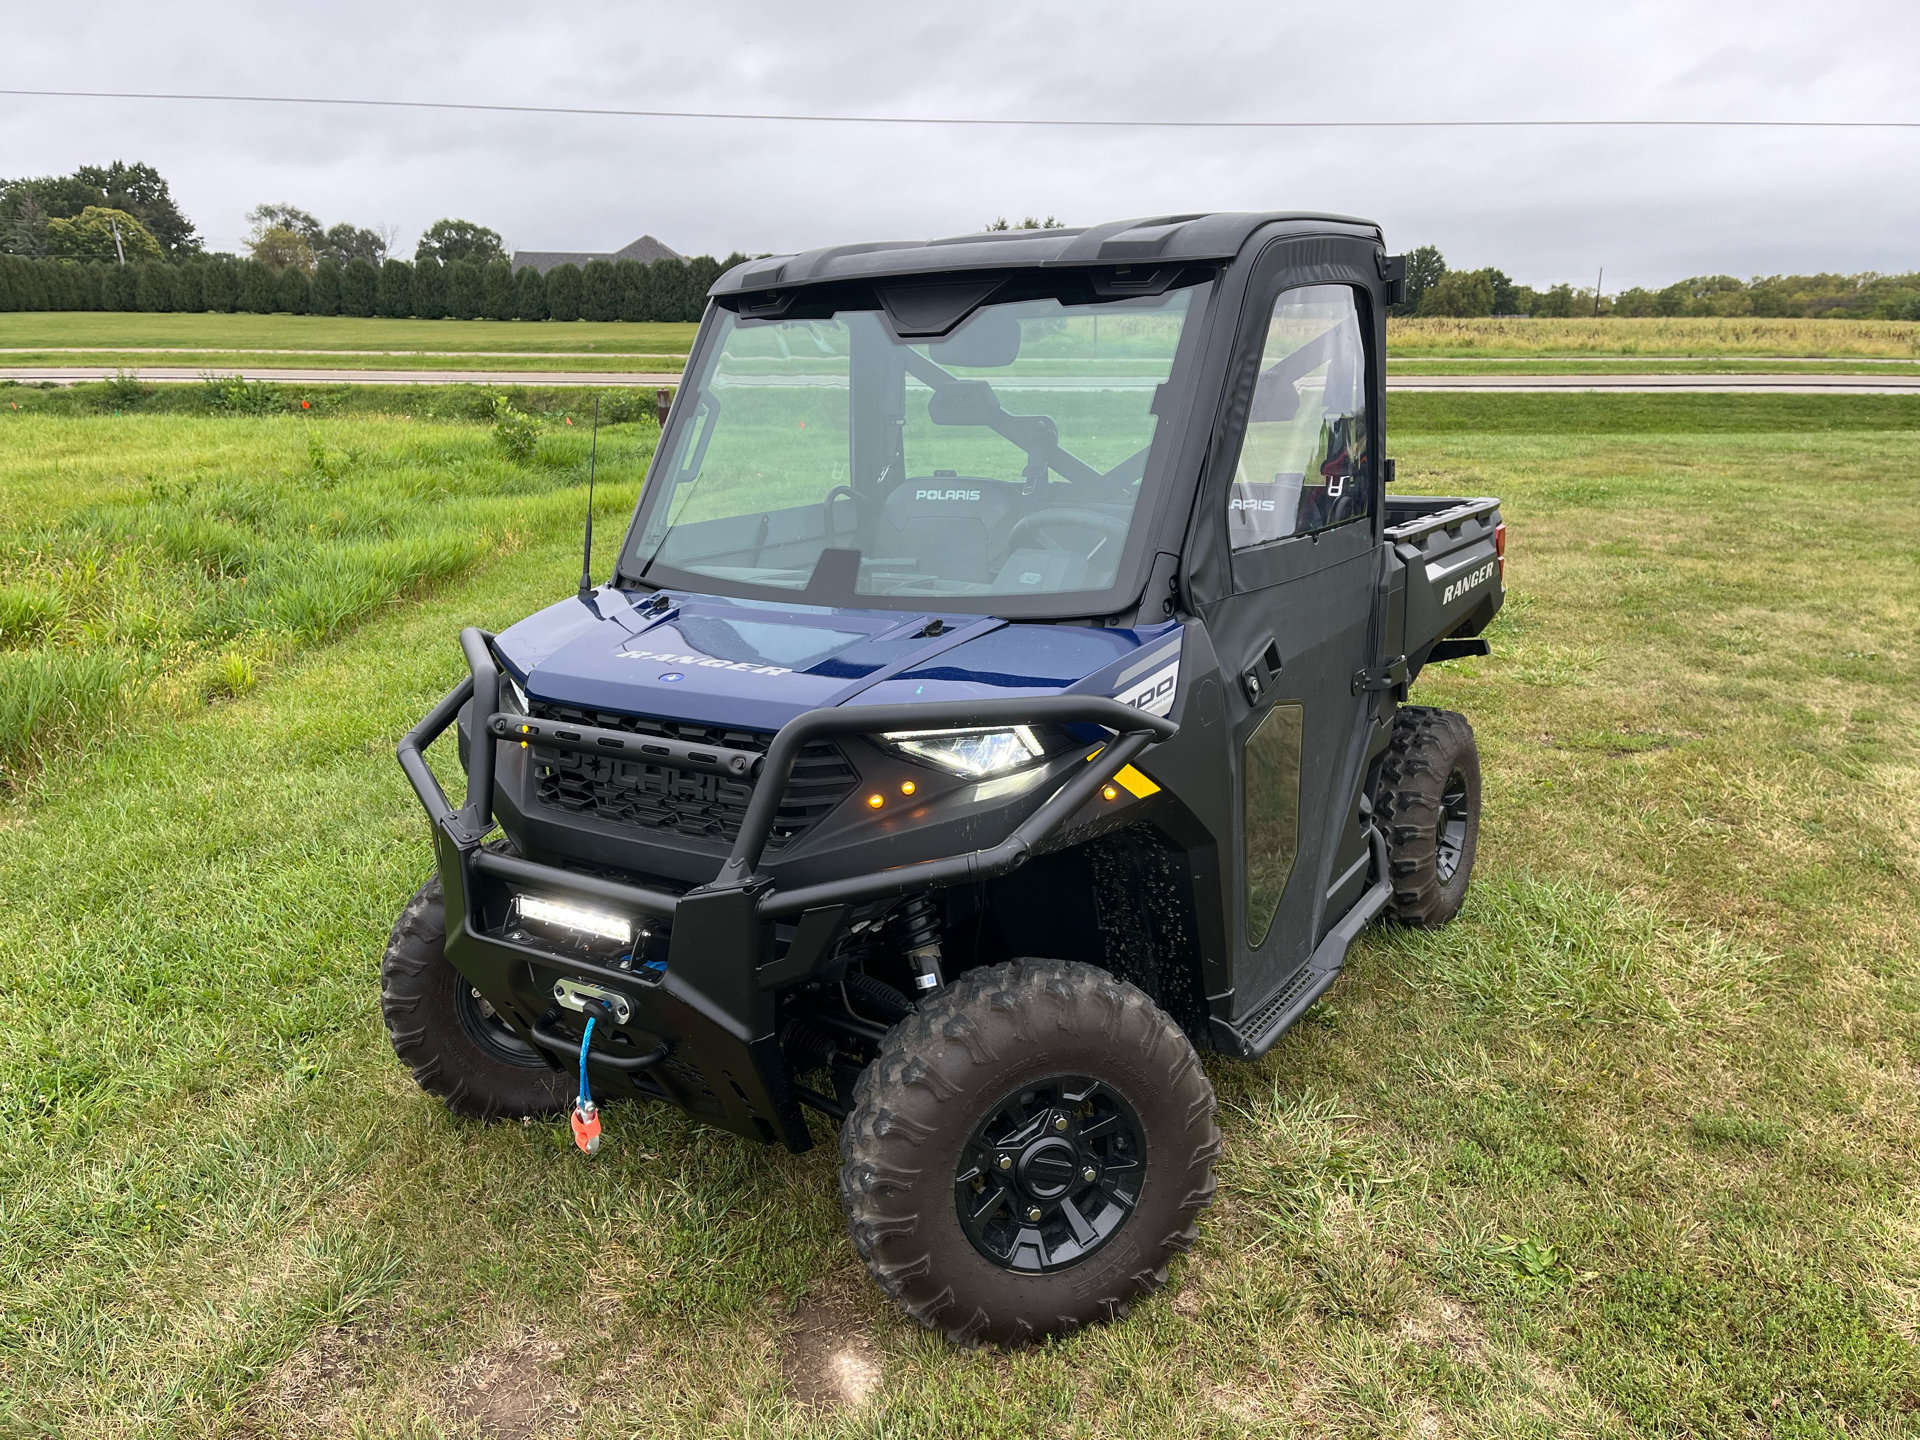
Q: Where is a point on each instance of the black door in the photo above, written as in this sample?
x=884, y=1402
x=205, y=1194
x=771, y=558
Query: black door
x=1297, y=623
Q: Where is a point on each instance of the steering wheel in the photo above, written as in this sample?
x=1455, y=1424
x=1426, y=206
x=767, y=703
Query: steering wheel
x=1106, y=526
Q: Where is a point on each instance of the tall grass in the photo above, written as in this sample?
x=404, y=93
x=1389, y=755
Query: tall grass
x=44, y=693
x=1839, y=339
x=168, y=561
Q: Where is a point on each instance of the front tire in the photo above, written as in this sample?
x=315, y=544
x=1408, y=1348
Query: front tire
x=1028, y=1153
x=1428, y=799
x=447, y=1035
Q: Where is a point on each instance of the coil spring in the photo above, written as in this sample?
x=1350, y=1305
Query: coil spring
x=919, y=923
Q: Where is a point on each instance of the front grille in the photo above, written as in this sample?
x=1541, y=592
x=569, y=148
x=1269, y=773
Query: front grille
x=664, y=799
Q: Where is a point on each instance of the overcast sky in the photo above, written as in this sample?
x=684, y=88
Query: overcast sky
x=1545, y=205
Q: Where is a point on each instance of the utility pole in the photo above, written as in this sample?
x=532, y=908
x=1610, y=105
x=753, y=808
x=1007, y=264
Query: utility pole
x=114, y=224
x=1596, y=291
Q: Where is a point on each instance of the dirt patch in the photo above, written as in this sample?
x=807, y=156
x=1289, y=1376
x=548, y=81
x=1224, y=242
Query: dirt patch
x=307, y=1393
x=1245, y=1403
x=509, y=1392
x=829, y=1360
x=1439, y=1321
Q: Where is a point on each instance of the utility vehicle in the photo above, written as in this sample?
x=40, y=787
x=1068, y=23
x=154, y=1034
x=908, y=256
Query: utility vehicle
x=997, y=701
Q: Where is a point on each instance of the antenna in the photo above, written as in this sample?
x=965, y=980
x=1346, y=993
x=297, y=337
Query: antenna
x=586, y=555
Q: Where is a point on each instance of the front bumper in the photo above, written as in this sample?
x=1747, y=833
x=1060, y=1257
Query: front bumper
x=703, y=1031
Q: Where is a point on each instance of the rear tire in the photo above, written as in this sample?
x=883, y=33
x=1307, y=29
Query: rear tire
x=1428, y=800
x=447, y=1035
x=1057, y=1087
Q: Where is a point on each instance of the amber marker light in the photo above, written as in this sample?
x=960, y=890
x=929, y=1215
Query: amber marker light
x=1107, y=792
x=875, y=801
x=907, y=787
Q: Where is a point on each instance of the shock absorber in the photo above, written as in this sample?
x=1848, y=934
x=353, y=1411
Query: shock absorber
x=920, y=938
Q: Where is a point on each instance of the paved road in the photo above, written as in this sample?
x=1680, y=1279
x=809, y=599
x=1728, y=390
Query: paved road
x=1796, y=384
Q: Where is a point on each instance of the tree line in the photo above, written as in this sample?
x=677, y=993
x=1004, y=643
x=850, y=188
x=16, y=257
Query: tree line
x=76, y=215
x=1435, y=290
x=665, y=290
x=111, y=238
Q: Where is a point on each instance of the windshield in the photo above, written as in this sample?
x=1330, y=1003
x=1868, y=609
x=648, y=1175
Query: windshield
x=829, y=459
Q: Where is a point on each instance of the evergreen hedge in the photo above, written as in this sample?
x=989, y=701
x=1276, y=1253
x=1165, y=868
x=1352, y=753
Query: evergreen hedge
x=257, y=283
x=496, y=282
x=633, y=289
x=429, y=289
x=671, y=290
x=292, y=291
x=153, y=286
x=189, y=289
x=396, y=290
x=325, y=296
x=599, y=291
x=359, y=288
x=117, y=292
x=563, y=292
x=529, y=295
x=217, y=281
x=465, y=295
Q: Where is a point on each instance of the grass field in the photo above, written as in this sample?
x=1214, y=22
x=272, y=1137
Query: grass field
x=306, y=334
x=1627, y=1151
x=182, y=561
x=250, y=342
x=1521, y=366
x=1476, y=339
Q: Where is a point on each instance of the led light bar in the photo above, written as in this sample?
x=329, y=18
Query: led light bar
x=559, y=914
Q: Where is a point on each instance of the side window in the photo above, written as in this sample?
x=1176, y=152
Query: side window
x=1304, y=464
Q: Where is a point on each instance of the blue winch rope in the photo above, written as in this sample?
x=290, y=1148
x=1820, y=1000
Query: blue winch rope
x=586, y=1098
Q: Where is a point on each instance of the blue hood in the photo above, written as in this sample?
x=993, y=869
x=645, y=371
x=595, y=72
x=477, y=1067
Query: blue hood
x=754, y=665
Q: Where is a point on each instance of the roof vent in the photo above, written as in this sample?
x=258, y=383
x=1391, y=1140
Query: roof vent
x=1145, y=241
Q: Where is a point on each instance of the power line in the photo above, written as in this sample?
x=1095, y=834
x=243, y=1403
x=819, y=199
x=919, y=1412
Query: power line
x=958, y=120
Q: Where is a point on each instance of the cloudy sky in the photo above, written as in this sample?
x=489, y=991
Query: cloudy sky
x=1544, y=204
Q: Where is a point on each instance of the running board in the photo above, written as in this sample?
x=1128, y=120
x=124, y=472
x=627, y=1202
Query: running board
x=1255, y=1034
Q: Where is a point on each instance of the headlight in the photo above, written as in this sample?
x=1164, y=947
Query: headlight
x=975, y=754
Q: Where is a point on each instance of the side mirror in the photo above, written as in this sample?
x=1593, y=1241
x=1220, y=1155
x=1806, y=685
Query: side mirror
x=1393, y=270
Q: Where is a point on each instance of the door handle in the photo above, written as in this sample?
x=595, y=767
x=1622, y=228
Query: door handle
x=1260, y=677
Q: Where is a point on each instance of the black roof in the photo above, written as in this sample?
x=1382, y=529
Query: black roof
x=1152, y=239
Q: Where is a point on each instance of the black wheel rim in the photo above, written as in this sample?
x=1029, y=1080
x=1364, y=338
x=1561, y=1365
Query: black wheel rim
x=1452, y=839
x=489, y=1031
x=1050, y=1174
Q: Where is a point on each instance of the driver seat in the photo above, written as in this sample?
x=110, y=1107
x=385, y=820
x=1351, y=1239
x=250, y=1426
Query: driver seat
x=953, y=525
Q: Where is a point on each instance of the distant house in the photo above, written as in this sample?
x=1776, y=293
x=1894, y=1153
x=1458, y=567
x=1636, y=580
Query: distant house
x=646, y=250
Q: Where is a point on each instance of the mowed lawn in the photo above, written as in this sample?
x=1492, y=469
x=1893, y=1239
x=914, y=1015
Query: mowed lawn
x=1629, y=1150
x=263, y=343
x=112, y=329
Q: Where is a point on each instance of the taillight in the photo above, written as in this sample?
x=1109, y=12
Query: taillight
x=1500, y=549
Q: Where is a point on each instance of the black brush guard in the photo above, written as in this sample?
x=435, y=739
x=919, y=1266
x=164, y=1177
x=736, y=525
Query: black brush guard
x=703, y=1032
